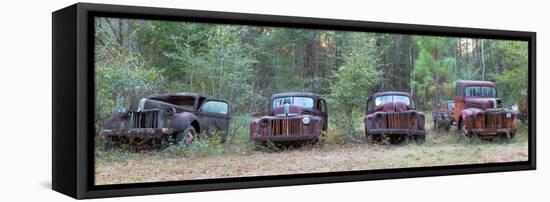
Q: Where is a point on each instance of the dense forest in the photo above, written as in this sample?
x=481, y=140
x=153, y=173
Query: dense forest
x=247, y=64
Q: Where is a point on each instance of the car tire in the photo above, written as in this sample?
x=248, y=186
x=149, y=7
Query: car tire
x=186, y=137
x=108, y=143
x=510, y=136
x=370, y=139
x=463, y=131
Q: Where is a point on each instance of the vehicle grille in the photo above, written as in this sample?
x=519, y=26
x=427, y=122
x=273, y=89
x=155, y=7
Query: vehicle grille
x=286, y=127
x=145, y=119
x=495, y=120
x=399, y=120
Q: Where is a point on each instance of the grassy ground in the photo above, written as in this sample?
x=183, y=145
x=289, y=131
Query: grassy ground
x=237, y=158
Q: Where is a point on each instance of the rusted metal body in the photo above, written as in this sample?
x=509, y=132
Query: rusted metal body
x=478, y=110
x=291, y=117
x=443, y=116
x=393, y=114
x=164, y=116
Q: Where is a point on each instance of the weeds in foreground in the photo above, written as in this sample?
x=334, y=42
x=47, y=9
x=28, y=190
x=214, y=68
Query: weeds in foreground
x=238, y=142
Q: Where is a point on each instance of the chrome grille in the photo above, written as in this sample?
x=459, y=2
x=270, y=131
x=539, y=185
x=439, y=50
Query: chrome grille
x=399, y=120
x=286, y=127
x=494, y=120
x=144, y=119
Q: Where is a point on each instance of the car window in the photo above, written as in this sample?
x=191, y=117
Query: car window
x=306, y=102
x=215, y=107
x=458, y=91
x=391, y=98
x=480, y=91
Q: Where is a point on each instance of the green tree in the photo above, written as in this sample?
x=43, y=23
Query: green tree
x=355, y=80
x=432, y=71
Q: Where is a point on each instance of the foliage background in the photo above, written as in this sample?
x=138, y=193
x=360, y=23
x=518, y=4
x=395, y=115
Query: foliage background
x=247, y=64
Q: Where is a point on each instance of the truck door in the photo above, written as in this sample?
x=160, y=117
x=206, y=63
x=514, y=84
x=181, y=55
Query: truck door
x=459, y=102
x=214, y=117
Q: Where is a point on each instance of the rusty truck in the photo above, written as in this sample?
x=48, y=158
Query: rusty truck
x=292, y=117
x=172, y=118
x=392, y=116
x=478, y=111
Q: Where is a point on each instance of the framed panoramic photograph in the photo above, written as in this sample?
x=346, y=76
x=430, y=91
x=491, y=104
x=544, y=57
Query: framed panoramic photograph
x=153, y=100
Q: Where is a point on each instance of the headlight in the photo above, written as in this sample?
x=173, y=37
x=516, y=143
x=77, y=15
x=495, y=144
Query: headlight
x=306, y=120
x=508, y=115
x=122, y=112
x=264, y=122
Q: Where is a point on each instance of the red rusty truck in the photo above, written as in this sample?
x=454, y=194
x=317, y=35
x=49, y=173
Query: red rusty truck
x=478, y=111
x=392, y=115
x=292, y=117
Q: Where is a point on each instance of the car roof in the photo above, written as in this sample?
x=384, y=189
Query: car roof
x=294, y=94
x=391, y=93
x=475, y=83
x=179, y=94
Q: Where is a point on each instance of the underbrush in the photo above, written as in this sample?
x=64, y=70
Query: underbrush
x=238, y=141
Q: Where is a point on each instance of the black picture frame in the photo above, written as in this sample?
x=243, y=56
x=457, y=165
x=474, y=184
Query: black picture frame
x=73, y=100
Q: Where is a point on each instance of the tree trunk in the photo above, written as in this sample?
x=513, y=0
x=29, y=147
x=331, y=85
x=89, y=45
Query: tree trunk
x=411, y=67
x=482, y=62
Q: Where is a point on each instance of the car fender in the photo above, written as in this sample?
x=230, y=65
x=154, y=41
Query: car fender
x=467, y=115
x=183, y=120
x=116, y=122
x=421, y=120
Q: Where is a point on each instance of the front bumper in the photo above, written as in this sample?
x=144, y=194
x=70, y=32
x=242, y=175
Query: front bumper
x=285, y=138
x=137, y=132
x=493, y=131
x=387, y=131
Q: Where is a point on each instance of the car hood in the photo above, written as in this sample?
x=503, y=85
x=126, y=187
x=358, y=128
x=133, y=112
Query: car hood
x=482, y=103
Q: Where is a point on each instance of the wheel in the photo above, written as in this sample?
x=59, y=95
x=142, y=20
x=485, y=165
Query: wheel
x=512, y=135
x=319, y=141
x=186, y=137
x=108, y=143
x=509, y=136
x=463, y=131
x=373, y=139
x=370, y=139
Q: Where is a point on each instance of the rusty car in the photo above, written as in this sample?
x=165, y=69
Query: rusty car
x=443, y=116
x=392, y=116
x=479, y=111
x=292, y=117
x=172, y=118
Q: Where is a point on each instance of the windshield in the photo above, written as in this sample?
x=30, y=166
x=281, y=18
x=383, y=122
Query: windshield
x=391, y=98
x=480, y=91
x=300, y=101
